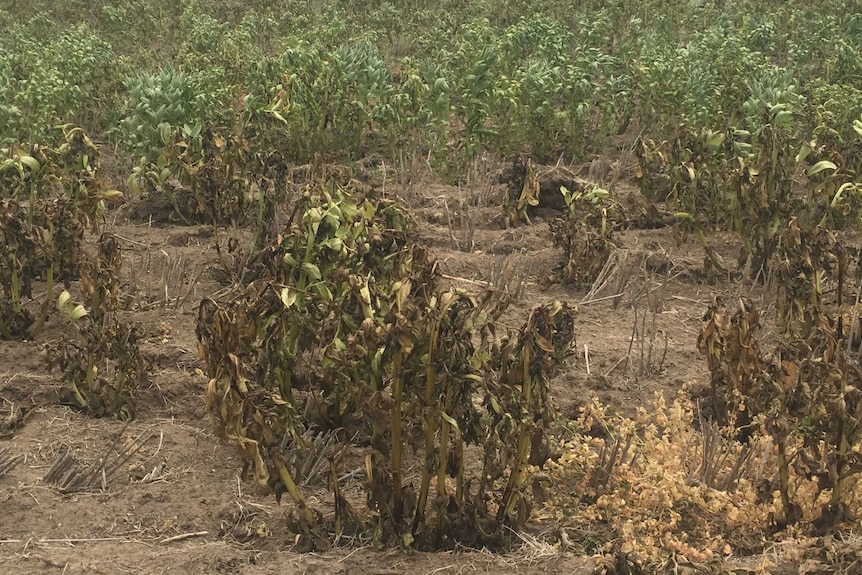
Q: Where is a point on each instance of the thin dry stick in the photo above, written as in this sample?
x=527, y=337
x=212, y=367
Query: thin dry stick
x=132, y=241
x=767, y=448
x=466, y=280
x=183, y=536
x=608, y=272
x=127, y=454
x=441, y=569
x=601, y=299
x=465, y=242
x=192, y=285
x=503, y=277
x=628, y=355
x=663, y=353
x=631, y=340
x=602, y=473
x=641, y=344
x=684, y=458
x=689, y=300
x=614, y=366
x=7, y=462
x=67, y=474
x=65, y=540
x=742, y=460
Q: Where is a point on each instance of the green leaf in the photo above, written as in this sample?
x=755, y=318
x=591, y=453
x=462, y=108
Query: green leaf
x=376, y=361
x=348, y=210
x=133, y=185
x=311, y=270
x=342, y=232
x=77, y=312
x=783, y=118
x=288, y=296
x=323, y=291
x=445, y=416
x=742, y=147
x=111, y=195
x=821, y=166
x=30, y=162
x=597, y=193
x=804, y=152
x=65, y=305
x=690, y=171
x=844, y=187
x=335, y=244
x=715, y=139
x=63, y=299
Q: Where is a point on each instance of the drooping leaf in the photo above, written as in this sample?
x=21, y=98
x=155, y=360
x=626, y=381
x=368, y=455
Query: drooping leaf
x=30, y=162
x=821, y=166
x=311, y=270
x=288, y=296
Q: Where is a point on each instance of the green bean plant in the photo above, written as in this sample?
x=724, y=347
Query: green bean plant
x=367, y=87
x=833, y=175
x=762, y=184
x=53, y=75
x=157, y=106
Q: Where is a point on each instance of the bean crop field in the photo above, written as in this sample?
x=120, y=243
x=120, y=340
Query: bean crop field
x=434, y=287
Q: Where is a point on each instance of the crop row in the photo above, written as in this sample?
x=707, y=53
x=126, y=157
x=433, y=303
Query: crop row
x=347, y=81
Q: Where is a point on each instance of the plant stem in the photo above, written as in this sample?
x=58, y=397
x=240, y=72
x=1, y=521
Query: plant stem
x=397, y=395
x=173, y=199
x=842, y=445
x=519, y=466
x=441, y=476
x=293, y=490
x=430, y=426
x=784, y=478
x=459, y=473
x=16, y=296
x=77, y=393
x=49, y=297
x=286, y=384
x=32, y=206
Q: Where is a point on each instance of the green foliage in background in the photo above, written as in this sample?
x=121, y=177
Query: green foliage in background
x=52, y=74
x=445, y=81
